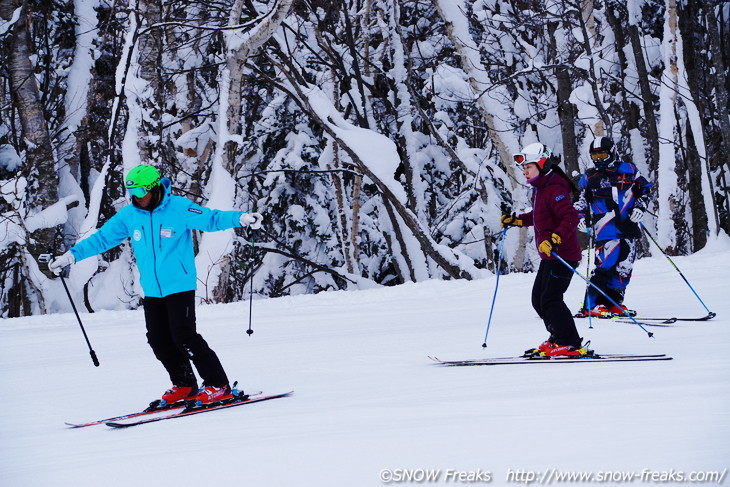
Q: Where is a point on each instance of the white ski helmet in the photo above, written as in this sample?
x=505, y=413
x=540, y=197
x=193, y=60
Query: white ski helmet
x=535, y=153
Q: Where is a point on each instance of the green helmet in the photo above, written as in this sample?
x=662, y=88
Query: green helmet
x=141, y=180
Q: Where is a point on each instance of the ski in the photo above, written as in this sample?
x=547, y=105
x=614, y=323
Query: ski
x=642, y=319
x=557, y=359
x=662, y=323
x=247, y=399
x=137, y=414
x=707, y=317
x=153, y=408
x=622, y=318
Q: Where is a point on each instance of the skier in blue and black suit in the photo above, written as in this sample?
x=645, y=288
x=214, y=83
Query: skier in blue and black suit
x=613, y=199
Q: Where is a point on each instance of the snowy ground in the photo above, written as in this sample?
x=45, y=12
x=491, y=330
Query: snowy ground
x=367, y=397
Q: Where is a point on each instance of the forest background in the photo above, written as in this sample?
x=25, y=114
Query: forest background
x=374, y=135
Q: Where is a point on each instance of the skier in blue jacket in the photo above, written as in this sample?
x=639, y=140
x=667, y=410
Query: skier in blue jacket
x=614, y=196
x=160, y=226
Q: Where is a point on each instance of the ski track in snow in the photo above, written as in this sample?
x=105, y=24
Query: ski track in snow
x=367, y=398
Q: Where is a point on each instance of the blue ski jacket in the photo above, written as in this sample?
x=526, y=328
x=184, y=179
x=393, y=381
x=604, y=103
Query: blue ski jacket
x=161, y=239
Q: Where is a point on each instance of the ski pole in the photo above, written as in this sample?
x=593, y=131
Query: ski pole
x=677, y=268
x=250, y=300
x=91, y=350
x=589, y=228
x=604, y=294
x=45, y=258
x=496, y=287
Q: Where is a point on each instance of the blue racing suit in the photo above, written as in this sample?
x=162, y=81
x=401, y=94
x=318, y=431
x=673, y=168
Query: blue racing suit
x=607, y=197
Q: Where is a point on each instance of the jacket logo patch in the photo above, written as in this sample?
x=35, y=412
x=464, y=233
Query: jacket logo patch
x=166, y=232
x=559, y=197
x=137, y=235
x=195, y=210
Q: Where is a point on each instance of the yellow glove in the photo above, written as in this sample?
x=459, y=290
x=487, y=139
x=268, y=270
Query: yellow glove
x=510, y=221
x=547, y=246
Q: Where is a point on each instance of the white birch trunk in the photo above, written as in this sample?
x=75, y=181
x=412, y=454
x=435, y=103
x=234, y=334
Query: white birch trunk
x=667, y=177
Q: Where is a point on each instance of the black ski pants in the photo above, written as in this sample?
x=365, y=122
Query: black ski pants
x=552, y=280
x=172, y=335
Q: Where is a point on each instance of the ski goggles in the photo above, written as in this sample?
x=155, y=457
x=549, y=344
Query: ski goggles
x=522, y=159
x=599, y=156
x=141, y=191
x=138, y=192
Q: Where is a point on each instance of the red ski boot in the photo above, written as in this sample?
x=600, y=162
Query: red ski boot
x=177, y=394
x=208, y=395
x=621, y=310
x=543, y=347
x=568, y=351
x=600, y=311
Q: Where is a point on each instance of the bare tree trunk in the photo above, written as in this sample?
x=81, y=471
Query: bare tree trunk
x=587, y=26
x=403, y=253
x=367, y=64
x=150, y=62
x=40, y=165
x=700, y=80
x=404, y=107
x=617, y=19
x=670, y=222
x=354, y=232
x=697, y=206
x=652, y=131
x=722, y=104
x=566, y=110
x=698, y=74
x=236, y=58
x=343, y=226
x=365, y=25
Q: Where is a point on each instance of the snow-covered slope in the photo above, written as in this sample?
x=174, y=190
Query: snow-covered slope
x=367, y=397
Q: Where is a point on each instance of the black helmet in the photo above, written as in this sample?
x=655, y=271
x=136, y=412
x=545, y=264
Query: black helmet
x=602, y=152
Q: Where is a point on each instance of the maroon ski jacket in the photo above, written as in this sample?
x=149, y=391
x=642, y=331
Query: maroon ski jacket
x=553, y=212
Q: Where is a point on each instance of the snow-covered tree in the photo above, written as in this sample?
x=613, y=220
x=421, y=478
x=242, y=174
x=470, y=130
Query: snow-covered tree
x=376, y=136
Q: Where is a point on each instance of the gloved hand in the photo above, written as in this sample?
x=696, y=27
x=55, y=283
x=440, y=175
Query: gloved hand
x=582, y=226
x=636, y=215
x=253, y=220
x=58, y=264
x=510, y=221
x=547, y=246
